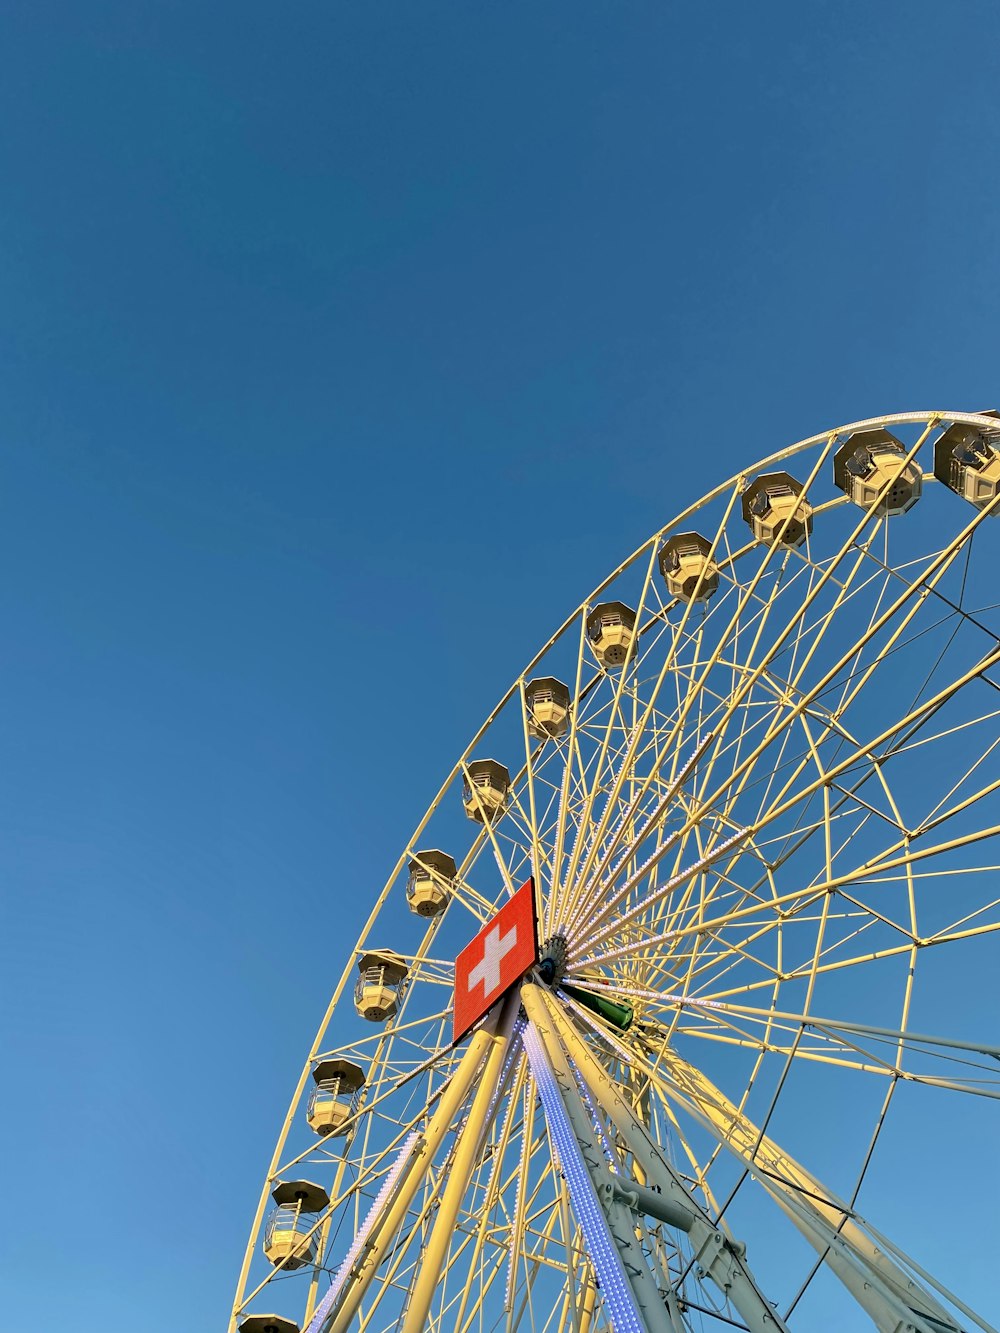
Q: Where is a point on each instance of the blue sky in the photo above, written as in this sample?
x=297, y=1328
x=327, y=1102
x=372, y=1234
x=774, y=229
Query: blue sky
x=345, y=346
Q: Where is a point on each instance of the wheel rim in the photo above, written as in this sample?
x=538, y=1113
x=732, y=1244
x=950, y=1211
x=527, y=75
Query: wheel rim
x=730, y=835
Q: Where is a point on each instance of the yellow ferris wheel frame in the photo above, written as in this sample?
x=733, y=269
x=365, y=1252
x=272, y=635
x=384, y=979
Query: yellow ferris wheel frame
x=709, y=810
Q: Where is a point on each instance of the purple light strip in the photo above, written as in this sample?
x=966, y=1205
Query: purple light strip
x=523, y=1171
x=613, y=1163
x=513, y=1051
x=328, y=1302
x=615, y=1289
x=599, y=875
x=664, y=997
x=612, y=837
x=615, y=774
x=704, y=863
x=661, y=808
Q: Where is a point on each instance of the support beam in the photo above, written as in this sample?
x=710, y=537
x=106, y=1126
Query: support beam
x=384, y=1231
x=881, y=1286
x=722, y=1258
x=635, y=1305
x=383, y=1199
x=462, y=1165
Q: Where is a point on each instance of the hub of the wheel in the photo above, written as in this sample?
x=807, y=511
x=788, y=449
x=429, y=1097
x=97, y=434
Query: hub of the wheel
x=552, y=964
x=552, y=970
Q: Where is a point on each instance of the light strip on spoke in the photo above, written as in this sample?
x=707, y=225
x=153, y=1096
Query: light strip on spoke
x=601, y=1248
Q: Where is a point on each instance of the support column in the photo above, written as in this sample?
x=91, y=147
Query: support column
x=635, y=1305
x=722, y=1259
x=462, y=1165
x=384, y=1232
x=892, y=1298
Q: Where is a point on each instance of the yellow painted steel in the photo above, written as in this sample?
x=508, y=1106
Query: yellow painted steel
x=514, y=1095
x=324, y=1235
x=458, y=1182
x=679, y=944
x=384, y=1230
x=793, y=1188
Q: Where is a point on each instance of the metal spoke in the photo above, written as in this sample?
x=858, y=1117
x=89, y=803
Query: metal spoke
x=763, y=850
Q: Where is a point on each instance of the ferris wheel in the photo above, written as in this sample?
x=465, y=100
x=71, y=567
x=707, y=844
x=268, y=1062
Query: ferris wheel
x=646, y=1024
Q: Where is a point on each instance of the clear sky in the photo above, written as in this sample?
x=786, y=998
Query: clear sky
x=345, y=346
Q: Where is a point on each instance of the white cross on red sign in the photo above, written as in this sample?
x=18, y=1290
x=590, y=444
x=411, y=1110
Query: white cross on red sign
x=495, y=959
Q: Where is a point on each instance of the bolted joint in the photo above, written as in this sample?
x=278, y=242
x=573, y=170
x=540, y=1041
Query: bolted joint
x=716, y=1255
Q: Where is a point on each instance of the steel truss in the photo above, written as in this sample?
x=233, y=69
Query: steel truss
x=758, y=834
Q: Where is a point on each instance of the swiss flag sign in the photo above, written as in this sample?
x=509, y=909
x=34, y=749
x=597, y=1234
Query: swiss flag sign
x=495, y=959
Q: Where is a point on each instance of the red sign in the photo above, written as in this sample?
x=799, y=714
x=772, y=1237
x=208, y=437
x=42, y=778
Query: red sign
x=499, y=956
